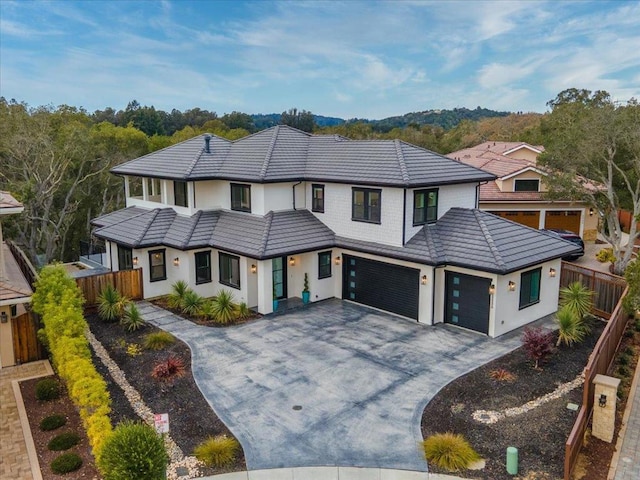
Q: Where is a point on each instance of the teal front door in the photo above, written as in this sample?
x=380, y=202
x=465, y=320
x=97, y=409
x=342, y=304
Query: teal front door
x=279, y=269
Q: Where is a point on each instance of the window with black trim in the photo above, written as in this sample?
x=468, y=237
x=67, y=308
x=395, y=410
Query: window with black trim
x=526, y=185
x=180, y=193
x=317, y=198
x=229, y=270
x=530, y=287
x=425, y=206
x=203, y=267
x=125, y=258
x=241, y=197
x=324, y=264
x=157, y=265
x=366, y=204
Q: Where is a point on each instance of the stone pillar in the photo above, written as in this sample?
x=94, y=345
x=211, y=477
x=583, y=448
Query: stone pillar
x=604, y=417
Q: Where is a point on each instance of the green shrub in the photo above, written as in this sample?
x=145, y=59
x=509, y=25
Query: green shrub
x=219, y=452
x=111, y=305
x=224, y=310
x=623, y=371
x=65, y=463
x=449, y=451
x=191, y=303
x=158, y=340
x=623, y=359
x=132, y=319
x=206, y=310
x=178, y=290
x=242, y=311
x=52, y=422
x=133, y=451
x=64, y=441
x=636, y=325
x=577, y=298
x=572, y=329
x=606, y=255
x=628, y=350
x=47, y=389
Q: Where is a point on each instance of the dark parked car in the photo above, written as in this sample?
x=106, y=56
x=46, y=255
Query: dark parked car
x=571, y=237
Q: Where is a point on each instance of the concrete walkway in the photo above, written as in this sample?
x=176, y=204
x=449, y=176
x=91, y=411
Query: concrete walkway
x=333, y=384
x=18, y=459
x=331, y=473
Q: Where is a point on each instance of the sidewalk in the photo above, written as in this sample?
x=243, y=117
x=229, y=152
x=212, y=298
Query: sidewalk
x=331, y=473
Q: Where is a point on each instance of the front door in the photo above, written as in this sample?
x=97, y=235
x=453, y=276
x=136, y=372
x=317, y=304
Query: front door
x=279, y=269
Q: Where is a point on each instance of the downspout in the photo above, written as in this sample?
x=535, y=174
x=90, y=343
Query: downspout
x=294, y=193
x=111, y=256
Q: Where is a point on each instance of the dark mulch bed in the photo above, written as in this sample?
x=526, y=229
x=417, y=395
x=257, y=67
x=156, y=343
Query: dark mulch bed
x=36, y=411
x=162, y=302
x=539, y=435
x=191, y=419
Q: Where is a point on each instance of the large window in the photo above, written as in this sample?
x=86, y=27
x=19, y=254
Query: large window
x=317, y=198
x=532, y=185
x=425, y=206
x=530, y=287
x=324, y=264
x=229, y=270
x=154, y=192
x=125, y=258
x=203, y=267
x=157, y=265
x=366, y=205
x=241, y=197
x=180, y=193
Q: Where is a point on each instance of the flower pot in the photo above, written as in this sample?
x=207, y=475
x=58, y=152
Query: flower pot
x=275, y=305
x=305, y=297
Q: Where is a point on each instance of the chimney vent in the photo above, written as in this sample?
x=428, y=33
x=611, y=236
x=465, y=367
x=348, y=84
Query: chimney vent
x=207, y=141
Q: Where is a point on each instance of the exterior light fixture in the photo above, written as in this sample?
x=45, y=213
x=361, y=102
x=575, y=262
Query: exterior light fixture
x=176, y=261
x=552, y=272
x=135, y=260
x=591, y=212
x=603, y=400
x=338, y=260
x=3, y=317
x=512, y=286
x=492, y=289
x=254, y=269
x=292, y=261
x=424, y=279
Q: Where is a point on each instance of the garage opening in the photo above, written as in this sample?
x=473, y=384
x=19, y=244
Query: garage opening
x=563, y=220
x=389, y=287
x=467, y=301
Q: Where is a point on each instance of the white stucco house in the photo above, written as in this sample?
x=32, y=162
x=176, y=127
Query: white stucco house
x=378, y=222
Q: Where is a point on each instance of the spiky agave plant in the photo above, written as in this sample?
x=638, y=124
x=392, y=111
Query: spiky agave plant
x=578, y=298
x=111, y=304
x=178, y=291
x=224, y=310
x=572, y=329
x=192, y=303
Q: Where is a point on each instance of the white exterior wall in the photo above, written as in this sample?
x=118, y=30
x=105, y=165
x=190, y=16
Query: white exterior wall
x=337, y=214
x=212, y=195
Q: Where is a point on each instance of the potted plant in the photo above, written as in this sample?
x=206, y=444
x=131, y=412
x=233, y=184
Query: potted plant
x=305, y=290
x=275, y=299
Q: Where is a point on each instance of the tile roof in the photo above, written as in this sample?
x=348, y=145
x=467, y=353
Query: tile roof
x=462, y=237
x=13, y=284
x=8, y=202
x=283, y=153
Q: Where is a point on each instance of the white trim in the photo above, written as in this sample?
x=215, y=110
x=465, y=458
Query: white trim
x=525, y=169
x=521, y=146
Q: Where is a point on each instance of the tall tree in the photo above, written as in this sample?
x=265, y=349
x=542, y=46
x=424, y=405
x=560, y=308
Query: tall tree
x=302, y=120
x=596, y=141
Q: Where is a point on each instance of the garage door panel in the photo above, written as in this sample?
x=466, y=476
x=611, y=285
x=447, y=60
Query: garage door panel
x=563, y=220
x=467, y=301
x=382, y=285
x=530, y=219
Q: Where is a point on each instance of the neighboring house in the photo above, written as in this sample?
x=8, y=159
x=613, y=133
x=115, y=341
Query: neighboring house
x=518, y=192
x=15, y=290
x=378, y=222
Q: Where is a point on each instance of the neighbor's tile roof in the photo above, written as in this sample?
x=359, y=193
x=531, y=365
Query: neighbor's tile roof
x=463, y=237
x=283, y=153
x=13, y=285
x=7, y=201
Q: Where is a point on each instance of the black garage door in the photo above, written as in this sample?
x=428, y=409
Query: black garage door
x=467, y=302
x=382, y=285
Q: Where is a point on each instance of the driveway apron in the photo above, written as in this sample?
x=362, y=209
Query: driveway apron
x=331, y=384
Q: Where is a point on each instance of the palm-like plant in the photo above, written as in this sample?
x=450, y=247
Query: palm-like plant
x=132, y=319
x=111, y=304
x=178, y=291
x=578, y=298
x=191, y=303
x=224, y=310
x=573, y=329
x=206, y=310
x=242, y=311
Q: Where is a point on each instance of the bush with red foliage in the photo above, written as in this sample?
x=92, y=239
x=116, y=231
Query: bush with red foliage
x=169, y=369
x=538, y=343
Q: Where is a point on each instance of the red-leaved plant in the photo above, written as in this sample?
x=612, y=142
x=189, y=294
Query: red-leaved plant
x=169, y=369
x=538, y=343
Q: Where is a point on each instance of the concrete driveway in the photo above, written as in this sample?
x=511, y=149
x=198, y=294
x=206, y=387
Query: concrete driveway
x=331, y=384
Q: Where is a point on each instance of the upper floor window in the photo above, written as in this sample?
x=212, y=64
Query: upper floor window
x=425, y=206
x=229, y=270
x=125, y=258
x=530, y=287
x=528, y=185
x=317, y=198
x=180, y=193
x=154, y=192
x=135, y=187
x=241, y=197
x=157, y=265
x=203, y=267
x=324, y=264
x=366, y=204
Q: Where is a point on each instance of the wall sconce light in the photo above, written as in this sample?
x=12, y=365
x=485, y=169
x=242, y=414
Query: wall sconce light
x=338, y=260
x=591, y=212
x=3, y=317
x=176, y=262
x=552, y=272
x=254, y=269
x=292, y=261
x=512, y=286
x=424, y=279
x=135, y=260
x=492, y=289
x=603, y=400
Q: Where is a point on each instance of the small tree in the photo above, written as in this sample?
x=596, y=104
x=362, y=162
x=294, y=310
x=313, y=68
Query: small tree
x=538, y=343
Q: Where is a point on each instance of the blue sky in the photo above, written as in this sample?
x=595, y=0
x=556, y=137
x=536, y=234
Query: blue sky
x=348, y=58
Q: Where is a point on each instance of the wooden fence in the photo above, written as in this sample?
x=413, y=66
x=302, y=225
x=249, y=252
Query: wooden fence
x=127, y=282
x=24, y=264
x=26, y=347
x=606, y=287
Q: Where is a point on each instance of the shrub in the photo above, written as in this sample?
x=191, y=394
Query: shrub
x=224, y=310
x=111, y=305
x=628, y=350
x=158, y=340
x=219, y=452
x=538, y=344
x=132, y=319
x=47, y=389
x=52, y=422
x=606, y=255
x=133, y=350
x=449, y=451
x=623, y=359
x=173, y=367
x=573, y=329
x=577, y=298
x=623, y=371
x=191, y=303
x=636, y=325
x=242, y=311
x=65, y=463
x=502, y=375
x=178, y=290
x=64, y=441
x=206, y=310
x=134, y=450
